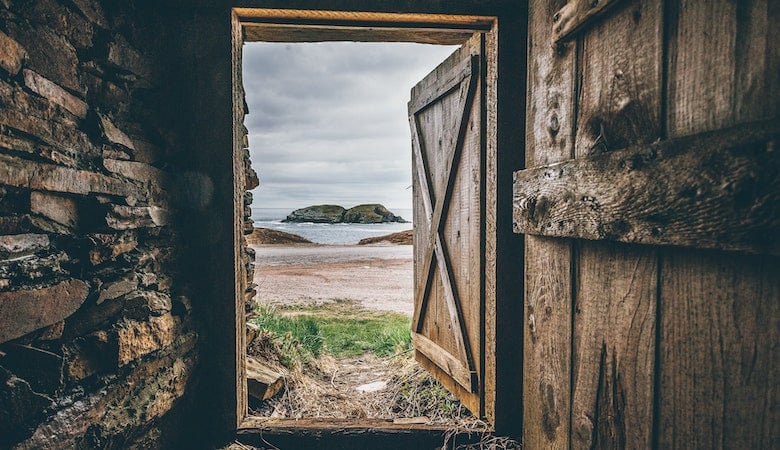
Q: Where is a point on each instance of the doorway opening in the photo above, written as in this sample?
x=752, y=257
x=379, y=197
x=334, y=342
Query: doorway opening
x=328, y=126
x=449, y=323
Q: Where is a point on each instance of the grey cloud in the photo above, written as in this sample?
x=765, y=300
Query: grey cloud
x=328, y=121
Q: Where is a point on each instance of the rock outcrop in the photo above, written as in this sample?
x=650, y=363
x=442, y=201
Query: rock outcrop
x=317, y=214
x=262, y=236
x=368, y=213
x=405, y=237
x=371, y=213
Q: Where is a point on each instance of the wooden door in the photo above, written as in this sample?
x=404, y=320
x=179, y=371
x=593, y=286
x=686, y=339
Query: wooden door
x=446, y=118
x=649, y=205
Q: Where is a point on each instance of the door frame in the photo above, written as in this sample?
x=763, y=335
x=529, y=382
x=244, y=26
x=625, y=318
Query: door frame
x=504, y=154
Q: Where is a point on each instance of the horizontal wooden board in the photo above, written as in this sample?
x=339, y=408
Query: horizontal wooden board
x=713, y=190
x=281, y=25
x=320, y=33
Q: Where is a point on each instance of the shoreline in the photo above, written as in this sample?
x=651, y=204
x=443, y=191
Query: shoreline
x=377, y=277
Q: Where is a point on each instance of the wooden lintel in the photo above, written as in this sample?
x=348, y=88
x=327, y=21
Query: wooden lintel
x=576, y=14
x=718, y=190
x=282, y=25
x=261, y=32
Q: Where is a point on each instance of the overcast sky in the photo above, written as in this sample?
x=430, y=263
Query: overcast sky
x=328, y=123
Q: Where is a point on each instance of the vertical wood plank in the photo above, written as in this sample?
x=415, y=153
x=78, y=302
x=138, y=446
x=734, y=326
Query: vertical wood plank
x=721, y=329
x=614, y=318
x=719, y=311
x=548, y=294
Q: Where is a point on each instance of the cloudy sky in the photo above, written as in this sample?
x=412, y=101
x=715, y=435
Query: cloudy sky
x=327, y=121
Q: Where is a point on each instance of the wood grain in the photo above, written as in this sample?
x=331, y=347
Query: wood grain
x=720, y=330
x=577, y=15
x=445, y=117
x=614, y=329
x=719, y=312
x=548, y=293
x=721, y=190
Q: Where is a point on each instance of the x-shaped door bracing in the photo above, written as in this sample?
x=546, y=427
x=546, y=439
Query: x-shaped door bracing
x=461, y=82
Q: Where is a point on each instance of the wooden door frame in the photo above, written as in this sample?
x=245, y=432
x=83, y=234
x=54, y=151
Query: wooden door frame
x=503, y=250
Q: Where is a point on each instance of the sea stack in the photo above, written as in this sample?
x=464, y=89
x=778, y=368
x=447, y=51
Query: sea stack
x=367, y=213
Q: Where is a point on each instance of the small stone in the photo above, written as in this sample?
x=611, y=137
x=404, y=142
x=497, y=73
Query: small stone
x=110, y=291
x=12, y=55
x=372, y=387
x=114, y=134
x=106, y=247
x=120, y=217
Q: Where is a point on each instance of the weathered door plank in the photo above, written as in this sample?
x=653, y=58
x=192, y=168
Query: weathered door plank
x=548, y=293
x=614, y=313
x=719, y=312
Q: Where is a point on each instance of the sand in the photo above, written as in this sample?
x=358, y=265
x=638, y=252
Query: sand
x=377, y=277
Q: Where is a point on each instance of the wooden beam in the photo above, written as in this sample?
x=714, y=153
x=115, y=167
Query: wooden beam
x=716, y=190
x=262, y=32
x=283, y=25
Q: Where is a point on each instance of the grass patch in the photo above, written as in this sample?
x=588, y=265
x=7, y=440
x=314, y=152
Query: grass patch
x=339, y=329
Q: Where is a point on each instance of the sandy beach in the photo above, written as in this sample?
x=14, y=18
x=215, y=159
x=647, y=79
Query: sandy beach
x=379, y=277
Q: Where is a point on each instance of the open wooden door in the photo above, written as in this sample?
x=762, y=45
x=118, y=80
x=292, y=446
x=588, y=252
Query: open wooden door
x=446, y=115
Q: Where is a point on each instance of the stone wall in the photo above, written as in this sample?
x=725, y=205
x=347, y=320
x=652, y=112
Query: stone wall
x=97, y=340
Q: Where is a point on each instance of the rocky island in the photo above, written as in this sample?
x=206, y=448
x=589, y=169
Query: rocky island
x=368, y=213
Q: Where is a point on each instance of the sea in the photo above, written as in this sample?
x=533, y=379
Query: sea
x=326, y=233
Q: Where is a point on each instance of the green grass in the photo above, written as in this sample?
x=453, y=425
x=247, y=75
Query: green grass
x=339, y=329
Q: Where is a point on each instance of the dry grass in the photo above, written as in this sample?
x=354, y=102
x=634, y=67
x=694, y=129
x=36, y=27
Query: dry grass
x=320, y=388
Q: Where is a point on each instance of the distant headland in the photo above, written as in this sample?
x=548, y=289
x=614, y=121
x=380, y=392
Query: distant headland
x=368, y=213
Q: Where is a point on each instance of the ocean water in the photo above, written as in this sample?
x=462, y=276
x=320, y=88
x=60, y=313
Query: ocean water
x=325, y=233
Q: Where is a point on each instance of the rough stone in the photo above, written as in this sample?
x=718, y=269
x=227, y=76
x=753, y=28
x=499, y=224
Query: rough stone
x=92, y=11
x=55, y=94
x=50, y=54
x=61, y=209
x=48, y=177
x=114, y=289
x=105, y=247
x=142, y=304
x=114, y=134
x=60, y=19
x=120, y=217
x=21, y=245
x=12, y=55
x=146, y=152
x=25, y=311
x=137, y=339
x=123, y=56
x=137, y=171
